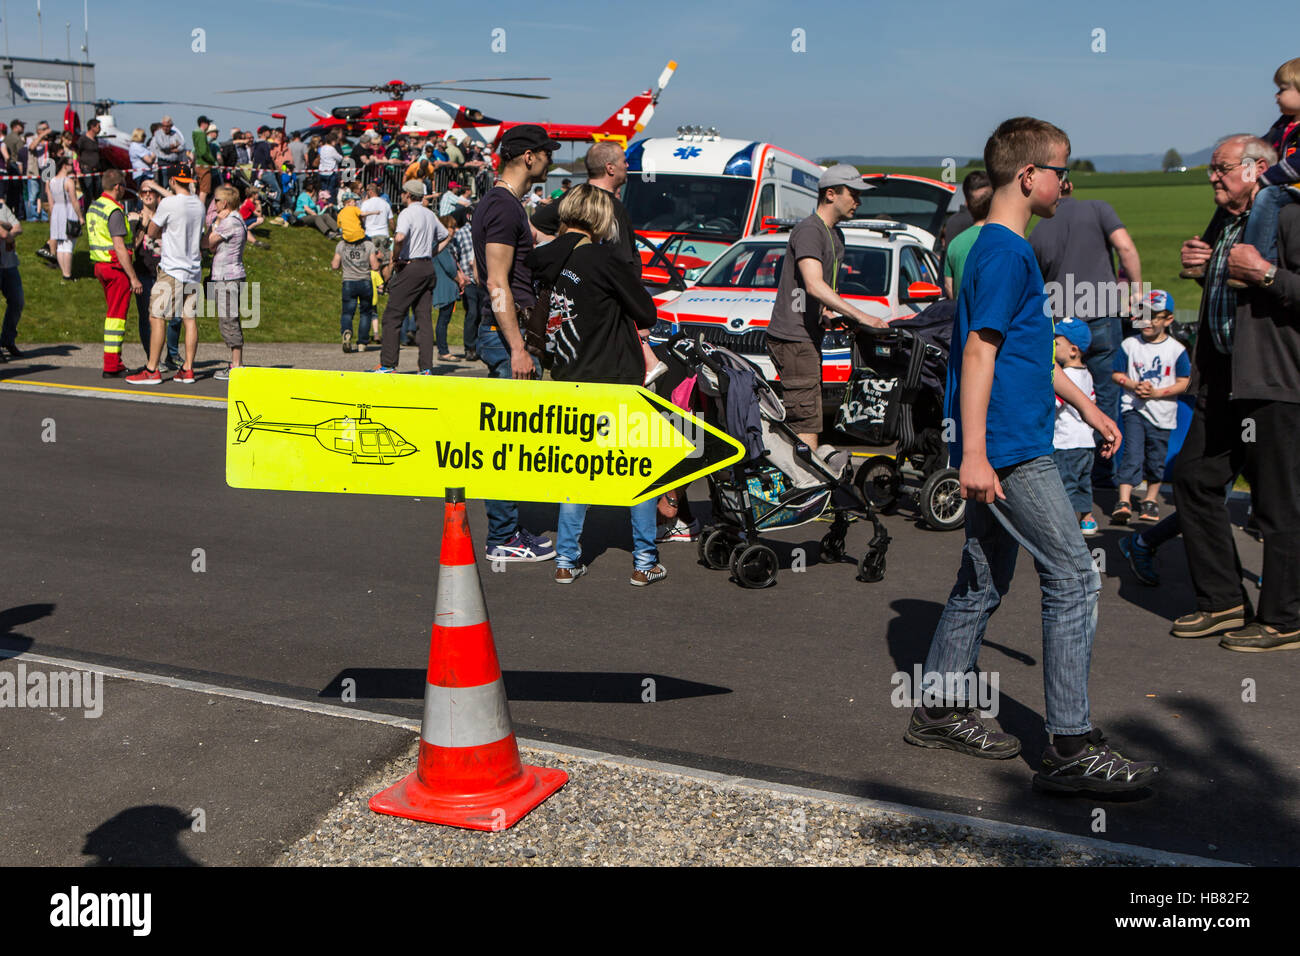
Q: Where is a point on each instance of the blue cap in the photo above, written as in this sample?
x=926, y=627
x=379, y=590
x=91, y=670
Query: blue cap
x=1075, y=332
x=1158, y=300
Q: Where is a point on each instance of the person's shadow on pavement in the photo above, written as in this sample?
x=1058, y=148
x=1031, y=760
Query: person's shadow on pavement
x=139, y=836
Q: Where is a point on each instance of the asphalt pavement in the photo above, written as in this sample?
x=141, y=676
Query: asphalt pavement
x=794, y=684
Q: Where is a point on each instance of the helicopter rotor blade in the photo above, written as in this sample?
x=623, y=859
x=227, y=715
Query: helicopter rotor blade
x=488, y=79
x=328, y=401
x=464, y=89
x=202, y=106
x=321, y=96
x=273, y=89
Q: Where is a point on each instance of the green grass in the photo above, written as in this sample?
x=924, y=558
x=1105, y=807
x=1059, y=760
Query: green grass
x=1159, y=217
x=301, y=296
x=1160, y=210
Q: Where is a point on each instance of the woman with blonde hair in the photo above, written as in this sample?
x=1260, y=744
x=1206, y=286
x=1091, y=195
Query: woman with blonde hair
x=141, y=158
x=597, y=305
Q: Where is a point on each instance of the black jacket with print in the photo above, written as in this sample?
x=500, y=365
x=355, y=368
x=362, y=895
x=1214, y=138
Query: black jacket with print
x=597, y=305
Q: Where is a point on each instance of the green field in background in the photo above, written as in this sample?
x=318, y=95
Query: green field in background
x=301, y=297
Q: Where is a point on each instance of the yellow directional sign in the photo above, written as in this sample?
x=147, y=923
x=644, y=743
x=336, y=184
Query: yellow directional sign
x=361, y=433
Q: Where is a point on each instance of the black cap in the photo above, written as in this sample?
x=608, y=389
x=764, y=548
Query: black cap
x=519, y=139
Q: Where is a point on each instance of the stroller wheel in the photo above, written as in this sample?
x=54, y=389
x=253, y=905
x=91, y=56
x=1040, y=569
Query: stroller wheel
x=833, y=548
x=942, y=505
x=754, y=566
x=880, y=482
x=872, y=567
x=715, y=550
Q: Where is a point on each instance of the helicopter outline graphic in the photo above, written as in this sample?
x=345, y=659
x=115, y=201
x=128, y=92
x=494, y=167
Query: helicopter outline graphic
x=374, y=445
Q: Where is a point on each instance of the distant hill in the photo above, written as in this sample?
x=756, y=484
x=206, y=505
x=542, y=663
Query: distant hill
x=1105, y=163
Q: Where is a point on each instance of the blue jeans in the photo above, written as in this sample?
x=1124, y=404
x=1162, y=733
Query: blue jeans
x=34, y=211
x=503, y=516
x=1075, y=466
x=330, y=181
x=1107, y=333
x=1036, y=515
x=568, y=544
x=11, y=287
x=1144, y=450
x=1261, y=227
x=440, y=331
x=358, y=292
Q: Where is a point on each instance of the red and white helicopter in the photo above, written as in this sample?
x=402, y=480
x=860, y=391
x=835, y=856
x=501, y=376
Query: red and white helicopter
x=436, y=117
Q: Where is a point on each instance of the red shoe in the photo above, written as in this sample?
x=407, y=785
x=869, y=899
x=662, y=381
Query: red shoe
x=145, y=377
x=185, y=376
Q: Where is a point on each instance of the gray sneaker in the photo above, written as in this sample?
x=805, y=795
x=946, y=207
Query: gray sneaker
x=222, y=374
x=960, y=729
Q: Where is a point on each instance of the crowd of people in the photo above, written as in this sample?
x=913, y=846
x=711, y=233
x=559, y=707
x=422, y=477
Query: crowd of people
x=1051, y=397
x=275, y=177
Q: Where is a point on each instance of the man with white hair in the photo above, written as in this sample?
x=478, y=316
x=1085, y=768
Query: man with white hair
x=168, y=147
x=1246, y=378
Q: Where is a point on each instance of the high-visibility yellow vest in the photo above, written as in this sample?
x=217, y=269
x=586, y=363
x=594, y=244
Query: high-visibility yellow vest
x=101, y=243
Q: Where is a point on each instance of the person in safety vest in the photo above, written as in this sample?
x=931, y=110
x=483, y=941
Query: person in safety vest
x=110, y=250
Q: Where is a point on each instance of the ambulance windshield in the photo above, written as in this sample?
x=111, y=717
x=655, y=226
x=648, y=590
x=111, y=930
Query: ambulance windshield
x=674, y=202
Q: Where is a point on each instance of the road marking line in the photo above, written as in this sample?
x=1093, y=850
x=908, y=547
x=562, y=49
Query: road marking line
x=330, y=710
x=118, y=394
x=997, y=828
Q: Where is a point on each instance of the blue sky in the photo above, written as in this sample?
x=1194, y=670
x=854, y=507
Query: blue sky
x=877, y=78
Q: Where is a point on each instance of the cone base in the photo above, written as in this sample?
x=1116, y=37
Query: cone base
x=415, y=800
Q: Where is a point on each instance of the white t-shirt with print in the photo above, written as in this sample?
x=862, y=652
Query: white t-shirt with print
x=1161, y=364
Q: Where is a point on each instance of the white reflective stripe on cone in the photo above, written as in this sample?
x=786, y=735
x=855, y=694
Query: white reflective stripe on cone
x=460, y=597
x=465, y=716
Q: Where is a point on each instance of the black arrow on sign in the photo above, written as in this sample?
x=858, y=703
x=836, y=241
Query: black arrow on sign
x=713, y=451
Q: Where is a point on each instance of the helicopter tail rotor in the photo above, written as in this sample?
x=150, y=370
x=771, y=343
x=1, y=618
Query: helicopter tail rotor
x=244, y=429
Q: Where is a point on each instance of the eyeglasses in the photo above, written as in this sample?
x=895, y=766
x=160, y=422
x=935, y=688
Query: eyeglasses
x=1062, y=172
x=1221, y=169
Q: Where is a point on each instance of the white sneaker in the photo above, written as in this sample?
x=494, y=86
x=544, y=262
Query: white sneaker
x=654, y=373
x=677, y=530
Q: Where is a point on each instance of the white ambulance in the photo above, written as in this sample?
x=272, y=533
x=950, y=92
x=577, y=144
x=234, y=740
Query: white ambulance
x=695, y=194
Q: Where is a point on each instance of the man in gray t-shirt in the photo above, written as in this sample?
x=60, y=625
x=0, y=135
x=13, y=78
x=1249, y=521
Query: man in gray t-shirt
x=809, y=275
x=1074, y=252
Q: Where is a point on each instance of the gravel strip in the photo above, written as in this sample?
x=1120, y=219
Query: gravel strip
x=613, y=814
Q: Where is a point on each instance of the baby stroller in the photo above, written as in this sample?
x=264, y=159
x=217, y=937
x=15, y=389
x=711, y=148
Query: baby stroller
x=895, y=394
x=781, y=483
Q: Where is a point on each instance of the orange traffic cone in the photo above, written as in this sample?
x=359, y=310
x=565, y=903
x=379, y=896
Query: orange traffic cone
x=468, y=773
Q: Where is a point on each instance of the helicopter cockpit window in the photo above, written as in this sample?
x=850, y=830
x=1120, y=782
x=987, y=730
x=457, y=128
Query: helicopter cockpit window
x=368, y=443
x=386, y=443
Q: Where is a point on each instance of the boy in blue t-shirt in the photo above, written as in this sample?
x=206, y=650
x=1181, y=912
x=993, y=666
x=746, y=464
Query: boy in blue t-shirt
x=1000, y=399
